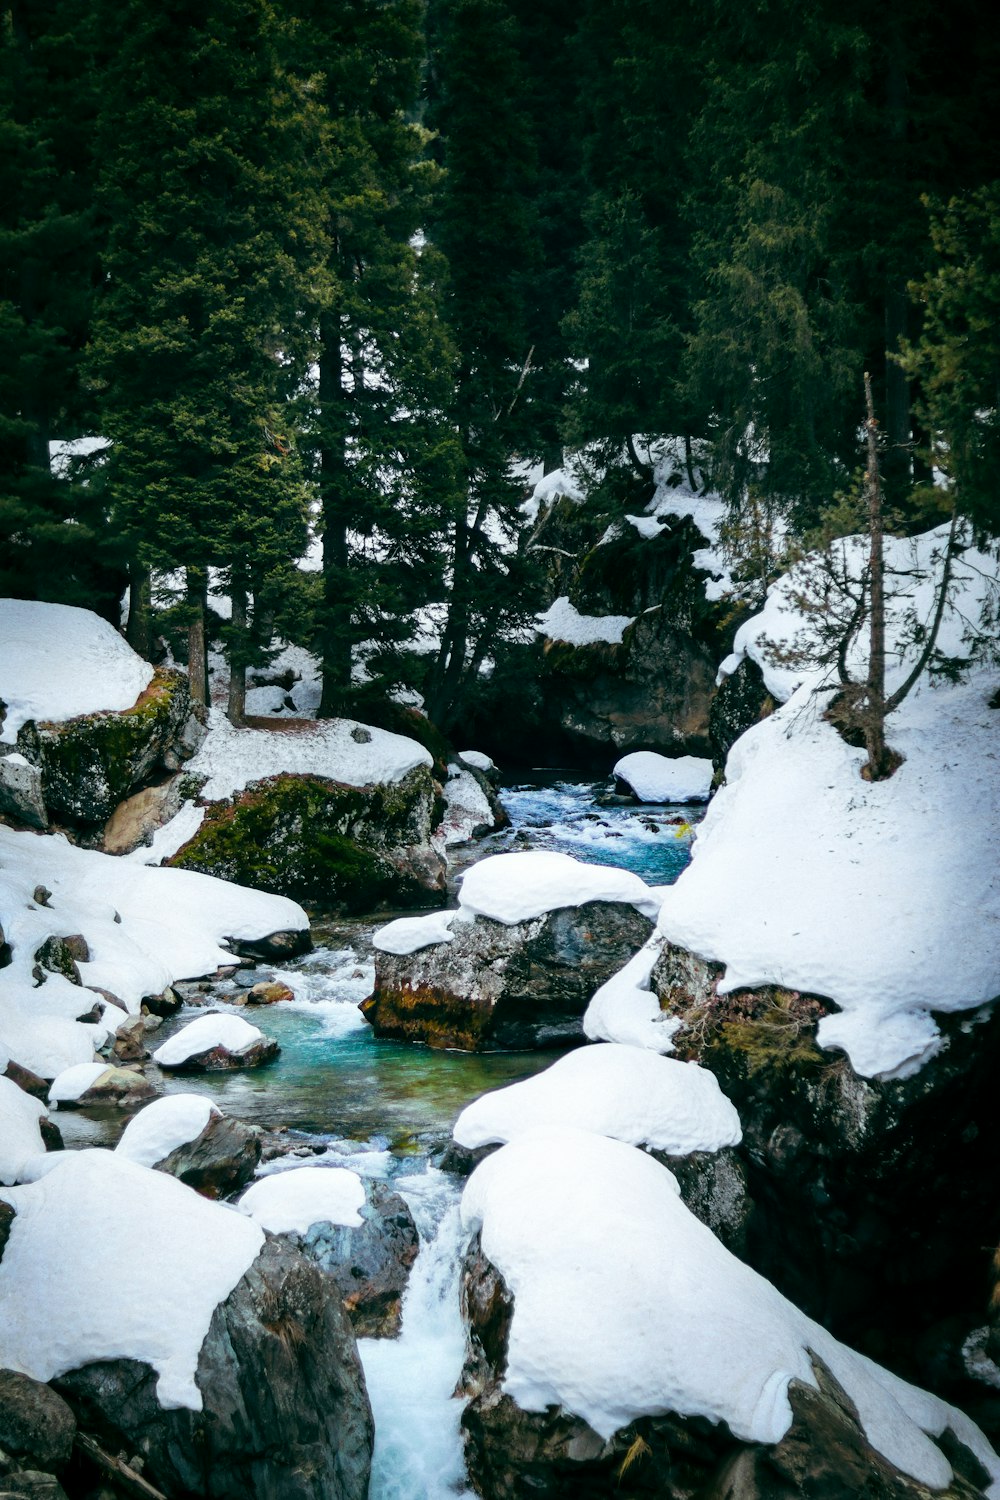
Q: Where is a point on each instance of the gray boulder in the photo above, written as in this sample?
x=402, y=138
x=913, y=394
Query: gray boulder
x=36, y=1426
x=498, y=987
x=21, y=795
x=218, y=1162
x=369, y=1264
x=286, y=1413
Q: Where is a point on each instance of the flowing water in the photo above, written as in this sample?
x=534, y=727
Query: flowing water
x=384, y=1108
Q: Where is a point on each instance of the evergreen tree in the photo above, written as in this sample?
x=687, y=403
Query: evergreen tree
x=199, y=337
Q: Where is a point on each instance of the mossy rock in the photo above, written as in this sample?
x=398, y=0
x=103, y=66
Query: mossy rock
x=330, y=846
x=92, y=763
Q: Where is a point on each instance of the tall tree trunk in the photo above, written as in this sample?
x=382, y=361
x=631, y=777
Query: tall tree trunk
x=898, y=456
x=197, y=596
x=874, y=725
x=236, y=709
x=138, y=631
x=335, y=517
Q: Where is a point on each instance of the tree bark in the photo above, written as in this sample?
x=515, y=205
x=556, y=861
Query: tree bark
x=236, y=709
x=874, y=726
x=334, y=483
x=138, y=631
x=197, y=593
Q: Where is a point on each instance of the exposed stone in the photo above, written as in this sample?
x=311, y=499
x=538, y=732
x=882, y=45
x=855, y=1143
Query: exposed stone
x=269, y=992
x=328, y=845
x=286, y=1414
x=41, y=895
x=505, y=987
x=119, y=1086
x=135, y=820
x=218, y=1162
x=25, y=1079
x=129, y=1044
x=36, y=1425
x=713, y=1184
x=165, y=1005
x=7, y=1217
x=219, y=1059
x=60, y=955
x=90, y=764
x=21, y=795
x=369, y=1264
x=290, y=944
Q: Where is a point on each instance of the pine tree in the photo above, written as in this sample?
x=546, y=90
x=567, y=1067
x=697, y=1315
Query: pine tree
x=198, y=337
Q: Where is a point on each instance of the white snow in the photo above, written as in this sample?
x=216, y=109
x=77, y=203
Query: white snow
x=658, y=778
x=410, y=934
x=57, y=1317
x=68, y=1085
x=204, y=1033
x=648, y=527
x=467, y=807
x=555, y=485
x=57, y=662
x=289, y=1202
x=518, y=887
x=170, y=836
x=624, y=1092
x=625, y=1009
x=20, y=1137
x=162, y=1126
x=645, y=1312
x=563, y=622
x=883, y=898
x=232, y=758
x=477, y=760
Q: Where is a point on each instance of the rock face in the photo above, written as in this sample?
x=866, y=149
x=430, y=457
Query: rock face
x=835, y=1164
x=498, y=987
x=328, y=845
x=36, y=1425
x=220, y=1161
x=286, y=1414
x=21, y=791
x=91, y=764
x=741, y=701
x=552, y=1454
x=137, y=818
x=369, y=1265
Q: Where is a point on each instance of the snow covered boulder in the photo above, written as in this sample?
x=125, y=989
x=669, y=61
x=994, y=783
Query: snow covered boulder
x=610, y=1333
x=26, y=1132
x=90, y=1084
x=240, y=1378
x=329, y=844
x=360, y=1234
x=472, y=807
x=660, y=778
x=21, y=795
x=514, y=968
x=188, y=1137
x=215, y=1043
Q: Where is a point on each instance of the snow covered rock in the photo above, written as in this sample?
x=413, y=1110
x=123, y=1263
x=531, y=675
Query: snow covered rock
x=471, y=807
x=188, y=1137
x=21, y=1134
x=215, y=1043
x=240, y=1380
x=645, y=1326
x=89, y=1084
x=21, y=794
x=360, y=1234
x=660, y=778
x=504, y=984
x=330, y=844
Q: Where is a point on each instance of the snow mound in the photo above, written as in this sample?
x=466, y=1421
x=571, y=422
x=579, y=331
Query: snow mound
x=619, y=1091
x=20, y=1137
x=57, y=662
x=232, y=758
x=477, y=760
x=625, y=1009
x=71, y=1083
x=562, y=622
x=518, y=887
x=289, y=1202
x=658, y=778
x=467, y=807
x=201, y=1035
x=193, y=1252
x=46, y=1045
x=646, y=1312
x=555, y=485
x=162, y=1126
x=410, y=934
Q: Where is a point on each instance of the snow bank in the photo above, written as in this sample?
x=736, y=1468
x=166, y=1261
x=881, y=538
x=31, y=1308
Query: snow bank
x=619, y=1091
x=20, y=1137
x=232, y=758
x=193, y=1252
x=646, y=1312
x=518, y=887
x=57, y=662
x=562, y=622
x=201, y=1035
x=658, y=778
x=162, y=1126
x=410, y=934
x=68, y=1085
x=289, y=1202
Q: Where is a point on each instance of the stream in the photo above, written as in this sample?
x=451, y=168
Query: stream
x=385, y=1108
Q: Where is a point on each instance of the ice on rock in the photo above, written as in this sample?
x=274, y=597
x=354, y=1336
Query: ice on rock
x=627, y=1093
x=294, y=1200
x=646, y=1312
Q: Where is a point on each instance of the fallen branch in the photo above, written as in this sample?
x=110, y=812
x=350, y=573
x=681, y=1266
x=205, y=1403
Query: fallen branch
x=121, y=1473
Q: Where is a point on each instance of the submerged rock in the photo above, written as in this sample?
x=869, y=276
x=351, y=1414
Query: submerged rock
x=286, y=1413
x=325, y=843
x=505, y=987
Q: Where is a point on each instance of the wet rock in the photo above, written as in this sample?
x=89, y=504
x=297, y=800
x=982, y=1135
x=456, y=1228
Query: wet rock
x=286, y=1414
x=290, y=944
x=505, y=987
x=369, y=1264
x=164, y=1005
x=324, y=843
x=31, y=1484
x=271, y=992
x=129, y=1044
x=36, y=1426
x=220, y=1059
x=25, y=1079
x=218, y=1162
x=123, y=1087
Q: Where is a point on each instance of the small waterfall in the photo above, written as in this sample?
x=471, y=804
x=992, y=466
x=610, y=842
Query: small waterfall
x=418, y=1446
